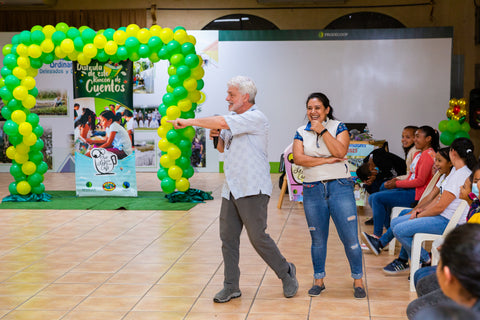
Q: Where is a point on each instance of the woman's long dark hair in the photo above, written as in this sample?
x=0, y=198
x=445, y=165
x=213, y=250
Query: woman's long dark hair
x=323, y=98
x=461, y=253
x=430, y=132
x=464, y=148
x=407, y=149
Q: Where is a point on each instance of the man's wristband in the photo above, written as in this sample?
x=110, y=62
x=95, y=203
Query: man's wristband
x=323, y=131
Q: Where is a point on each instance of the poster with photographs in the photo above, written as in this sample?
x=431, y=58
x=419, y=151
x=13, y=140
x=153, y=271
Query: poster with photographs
x=143, y=76
x=103, y=134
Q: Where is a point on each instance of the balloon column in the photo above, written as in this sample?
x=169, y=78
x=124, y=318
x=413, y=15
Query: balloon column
x=456, y=126
x=30, y=50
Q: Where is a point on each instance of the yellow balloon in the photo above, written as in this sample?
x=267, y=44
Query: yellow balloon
x=180, y=36
x=29, y=168
x=23, y=188
x=29, y=102
x=73, y=55
x=182, y=184
x=111, y=47
x=166, y=35
x=82, y=59
x=174, y=152
x=22, y=50
x=452, y=102
x=10, y=152
x=67, y=45
x=119, y=37
x=192, y=39
x=47, y=45
x=28, y=82
x=185, y=104
x=60, y=53
x=163, y=144
x=18, y=116
x=25, y=128
x=22, y=148
x=20, y=92
x=32, y=72
x=34, y=51
x=194, y=96
x=190, y=84
x=166, y=161
x=23, y=62
x=48, y=30
x=132, y=30
x=30, y=140
x=203, y=97
x=155, y=30
x=99, y=41
x=175, y=172
x=197, y=72
x=143, y=35
x=162, y=131
x=173, y=112
x=90, y=51
x=19, y=72
x=21, y=158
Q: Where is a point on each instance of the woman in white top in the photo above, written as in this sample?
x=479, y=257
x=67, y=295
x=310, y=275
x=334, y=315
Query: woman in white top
x=320, y=147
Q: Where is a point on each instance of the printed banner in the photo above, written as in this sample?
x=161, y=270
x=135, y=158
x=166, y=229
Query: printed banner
x=356, y=153
x=103, y=134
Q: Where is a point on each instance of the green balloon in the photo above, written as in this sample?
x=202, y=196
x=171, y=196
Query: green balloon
x=38, y=130
x=48, y=58
x=38, y=189
x=192, y=60
x=36, y=157
x=465, y=126
x=183, y=72
x=162, y=109
x=168, y=99
x=144, y=51
x=37, y=36
x=108, y=33
x=155, y=43
x=36, y=63
x=42, y=167
x=88, y=35
x=178, y=28
x=189, y=133
x=101, y=56
x=14, y=104
x=188, y=48
x=132, y=44
x=10, y=127
x=122, y=53
x=180, y=93
x=12, y=188
x=175, y=81
x=461, y=134
x=162, y=173
x=163, y=53
x=33, y=119
x=174, y=47
x=183, y=162
x=15, y=139
x=16, y=170
x=39, y=145
x=58, y=37
x=21, y=177
x=446, y=138
x=168, y=185
x=78, y=44
x=62, y=26
x=188, y=172
x=177, y=59
x=35, y=179
x=73, y=33
x=201, y=84
x=12, y=82
x=453, y=126
x=184, y=145
x=5, y=71
x=6, y=113
x=6, y=94
x=26, y=37
x=33, y=92
x=173, y=136
x=10, y=61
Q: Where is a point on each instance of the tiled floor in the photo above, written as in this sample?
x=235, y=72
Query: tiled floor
x=168, y=265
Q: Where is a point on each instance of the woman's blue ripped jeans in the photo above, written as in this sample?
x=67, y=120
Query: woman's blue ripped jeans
x=332, y=199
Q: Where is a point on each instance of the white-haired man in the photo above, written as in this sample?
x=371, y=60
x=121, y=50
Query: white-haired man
x=243, y=137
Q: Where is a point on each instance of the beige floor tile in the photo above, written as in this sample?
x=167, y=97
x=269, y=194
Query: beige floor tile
x=68, y=289
x=279, y=316
x=176, y=304
x=219, y=316
x=240, y=305
x=174, y=290
x=121, y=290
x=34, y=315
x=51, y=303
x=107, y=304
x=155, y=315
x=103, y=315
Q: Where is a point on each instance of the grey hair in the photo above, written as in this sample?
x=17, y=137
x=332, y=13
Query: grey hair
x=244, y=85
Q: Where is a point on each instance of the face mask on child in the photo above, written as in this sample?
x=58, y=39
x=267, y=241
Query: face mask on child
x=475, y=189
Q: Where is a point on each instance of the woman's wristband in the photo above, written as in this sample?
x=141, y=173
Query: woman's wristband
x=323, y=131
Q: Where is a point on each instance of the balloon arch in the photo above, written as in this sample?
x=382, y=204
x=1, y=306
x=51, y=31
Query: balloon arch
x=30, y=50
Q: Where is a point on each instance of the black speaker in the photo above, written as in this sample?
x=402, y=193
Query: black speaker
x=475, y=108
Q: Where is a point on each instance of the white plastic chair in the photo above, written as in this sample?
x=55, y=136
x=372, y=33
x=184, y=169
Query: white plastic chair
x=397, y=210
x=420, y=238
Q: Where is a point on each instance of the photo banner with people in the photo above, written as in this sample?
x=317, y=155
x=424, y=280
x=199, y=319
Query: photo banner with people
x=103, y=133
